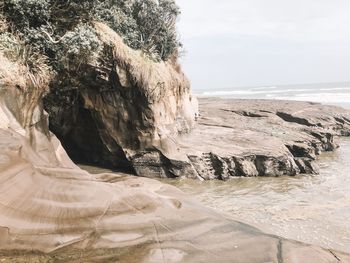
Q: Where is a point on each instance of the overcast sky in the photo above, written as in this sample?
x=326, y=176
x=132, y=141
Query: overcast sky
x=232, y=43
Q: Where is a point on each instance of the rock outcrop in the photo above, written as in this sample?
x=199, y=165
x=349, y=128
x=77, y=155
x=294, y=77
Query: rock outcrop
x=123, y=128
x=122, y=104
x=126, y=111
x=51, y=211
x=261, y=137
x=250, y=138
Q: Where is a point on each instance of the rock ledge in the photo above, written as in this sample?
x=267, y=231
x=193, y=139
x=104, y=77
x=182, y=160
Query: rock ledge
x=251, y=138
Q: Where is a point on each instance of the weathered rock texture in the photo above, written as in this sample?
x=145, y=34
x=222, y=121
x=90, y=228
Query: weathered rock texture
x=249, y=138
x=121, y=104
x=261, y=137
x=232, y=137
x=125, y=111
x=51, y=211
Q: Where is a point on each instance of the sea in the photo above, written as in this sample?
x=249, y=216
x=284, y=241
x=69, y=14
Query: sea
x=326, y=93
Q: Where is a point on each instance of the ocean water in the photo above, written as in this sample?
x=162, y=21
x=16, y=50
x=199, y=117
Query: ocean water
x=326, y=93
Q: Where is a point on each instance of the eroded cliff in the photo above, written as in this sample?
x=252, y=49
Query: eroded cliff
x=51, y=211
x=122, y=104
x=129, y=112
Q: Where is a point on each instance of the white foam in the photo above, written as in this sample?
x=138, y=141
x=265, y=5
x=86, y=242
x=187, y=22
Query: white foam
x=251, y=92
x=335, y=89
x=319, y=97
x=265, y=88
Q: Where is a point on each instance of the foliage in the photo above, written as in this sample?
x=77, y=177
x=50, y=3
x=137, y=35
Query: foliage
x=42, y=38
x=21, y=65
x=10, y=46
x=145, y=24
x=62, y=28
x=80, y=44
x=27, y=13
x=3, y=24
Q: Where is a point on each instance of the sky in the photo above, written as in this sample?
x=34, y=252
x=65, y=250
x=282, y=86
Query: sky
x=237, y=43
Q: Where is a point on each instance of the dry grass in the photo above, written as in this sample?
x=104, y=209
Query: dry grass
x=11, y=73
x=3, y=24
x=22, y=67
x=33, y=83
x=154, y=78
x=16, y=73
x=39, y=74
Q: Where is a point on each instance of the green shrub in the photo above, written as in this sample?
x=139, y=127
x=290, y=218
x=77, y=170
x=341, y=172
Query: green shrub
x=156, y=24
x=144, y=24
x=80, y=44
x=57, y=35
x=33, y=65
x=27, y=13
x=10, y=46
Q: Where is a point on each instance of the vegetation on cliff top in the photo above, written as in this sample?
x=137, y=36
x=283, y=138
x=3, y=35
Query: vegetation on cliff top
x=60, y=34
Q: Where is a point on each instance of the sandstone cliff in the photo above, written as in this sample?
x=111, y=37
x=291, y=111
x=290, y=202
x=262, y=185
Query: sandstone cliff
x=125, y=111
x=123, y=104
x=51, y=211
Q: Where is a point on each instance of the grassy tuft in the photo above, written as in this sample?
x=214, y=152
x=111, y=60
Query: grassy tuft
x=21, y=66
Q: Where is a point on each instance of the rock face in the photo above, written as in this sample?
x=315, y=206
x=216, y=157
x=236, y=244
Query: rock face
x=261, y=137
x=126, y=111
x=51, y=211
x=251, y=138
x=123, y=128
x=122, y=104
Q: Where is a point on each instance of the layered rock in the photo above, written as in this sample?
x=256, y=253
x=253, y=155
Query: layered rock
x=231, y=138
x=122, y=104
x=261, y=137
x=51, y=211
x=251, y=138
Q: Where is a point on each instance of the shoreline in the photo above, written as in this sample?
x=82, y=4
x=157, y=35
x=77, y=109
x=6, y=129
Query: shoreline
x=336, y=94
x=248, y=138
